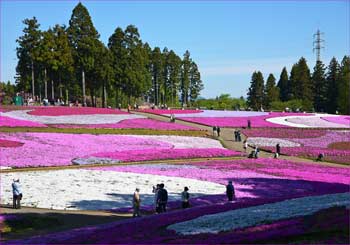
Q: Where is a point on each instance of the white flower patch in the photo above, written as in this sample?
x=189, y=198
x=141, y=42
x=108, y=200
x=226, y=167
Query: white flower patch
x=71, y=119
x=94, y=160
x=185, y=142
x=258, y=215
x=218, y=113
x=262, y=141
x=82, y=189
x=314, y=121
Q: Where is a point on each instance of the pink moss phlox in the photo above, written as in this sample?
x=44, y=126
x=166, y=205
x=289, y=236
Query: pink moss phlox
x=142, y=123
x=11, y=122
x=65, y=111
x=345, y=120
x=10, y=143
x=170, y=111
x=153, y=154
x=256, y=121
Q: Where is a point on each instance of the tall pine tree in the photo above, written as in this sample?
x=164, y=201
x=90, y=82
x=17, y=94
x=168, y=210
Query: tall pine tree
x=283, y=85
x=83, y=38
x=28, y=53
x=185, y=77
x=344, y=86
x=256, y=91
x=271, y=92
x=332, y=80
x=321, y=87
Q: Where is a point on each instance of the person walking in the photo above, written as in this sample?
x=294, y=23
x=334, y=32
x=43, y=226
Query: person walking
x=136, y=201
x=256, y=152
x=218, y=131
x=185, y=197
x=245, y=145
x=17, y=194
x=235, y=133
x=239, y=137
x=278, y=150
x=155, y=191
x=230, y=191
x=249, y=124
x=162, y=198
x=214, y=130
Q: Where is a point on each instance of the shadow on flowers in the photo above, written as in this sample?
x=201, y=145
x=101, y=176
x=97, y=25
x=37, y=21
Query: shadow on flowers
x=274, y=188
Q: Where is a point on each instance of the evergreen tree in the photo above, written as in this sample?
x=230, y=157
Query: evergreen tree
x=116, y=44
x=332, y=80
x=344, y=86
x=157, y=76
x=256, y=91
x=185, y=77
x=28, y=53
x=137, y=74
x=271, y=92
x=283, y=85
x=321, y=87
x=174, y=63
x=196, y=84
x=301, y=86
x=83, y=38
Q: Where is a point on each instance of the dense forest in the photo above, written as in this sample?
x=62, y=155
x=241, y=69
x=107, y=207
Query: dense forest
x=325, y=89
x=71, y=63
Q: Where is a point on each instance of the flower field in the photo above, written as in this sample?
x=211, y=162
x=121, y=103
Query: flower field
x=85, y=117
x=307, y=143
x=274, y=200
x=257, y=119
x=57, y=149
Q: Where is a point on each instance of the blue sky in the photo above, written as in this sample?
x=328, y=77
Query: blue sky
x=228, y=40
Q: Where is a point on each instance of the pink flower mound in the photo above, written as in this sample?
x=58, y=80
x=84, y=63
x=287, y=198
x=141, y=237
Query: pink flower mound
x=55, y=149
x=133, y=123
x=172, y=111
x=10, y=143
x=11, y=122
x=284, y=169
x=145, y=155
x=345, y=120
x=284, y=133
x=66, y=111
x=256, y=121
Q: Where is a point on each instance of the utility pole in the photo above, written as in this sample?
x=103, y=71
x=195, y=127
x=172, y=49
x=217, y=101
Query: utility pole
x=318, y=41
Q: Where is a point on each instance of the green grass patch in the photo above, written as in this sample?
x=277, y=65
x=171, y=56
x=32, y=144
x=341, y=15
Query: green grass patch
x=105, y=131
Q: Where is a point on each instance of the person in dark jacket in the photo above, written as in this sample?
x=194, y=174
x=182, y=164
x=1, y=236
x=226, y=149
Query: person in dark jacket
x=230, y=191
x=162, y=198
x=218, y=131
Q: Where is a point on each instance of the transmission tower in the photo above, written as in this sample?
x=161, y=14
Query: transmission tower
x=318, y=41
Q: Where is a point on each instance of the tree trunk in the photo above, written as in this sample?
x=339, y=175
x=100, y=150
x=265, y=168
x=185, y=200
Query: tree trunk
x=52, y=91
x=83, y=81
x=45, y=78
x=33, y=80
x=60, y=86
x=104, y=96
x=66, y=103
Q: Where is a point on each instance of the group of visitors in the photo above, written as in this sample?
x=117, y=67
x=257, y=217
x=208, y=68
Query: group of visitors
x=160, y=199
x=216, y=130
x=254, y=153
x=238, y=136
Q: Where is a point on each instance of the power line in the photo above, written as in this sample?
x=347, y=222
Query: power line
x=318, y=44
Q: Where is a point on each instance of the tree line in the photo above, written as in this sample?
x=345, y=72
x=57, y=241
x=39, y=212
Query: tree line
x=72, y=63
x=326, y=89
